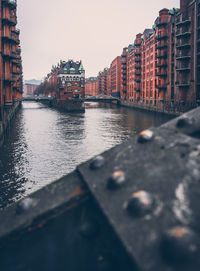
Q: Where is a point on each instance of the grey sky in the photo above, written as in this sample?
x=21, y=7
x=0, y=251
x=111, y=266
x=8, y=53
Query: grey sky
x=94, y=31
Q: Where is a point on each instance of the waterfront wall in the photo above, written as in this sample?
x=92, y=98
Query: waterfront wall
x=9, y=114
x=169, y=109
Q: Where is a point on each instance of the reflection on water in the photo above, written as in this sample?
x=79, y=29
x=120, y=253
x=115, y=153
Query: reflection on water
x=44, y=144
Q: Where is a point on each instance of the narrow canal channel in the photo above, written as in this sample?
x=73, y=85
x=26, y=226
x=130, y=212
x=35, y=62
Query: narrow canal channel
x=44, y=144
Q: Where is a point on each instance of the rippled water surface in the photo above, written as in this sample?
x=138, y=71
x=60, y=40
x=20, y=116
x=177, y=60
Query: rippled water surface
x=44, y=144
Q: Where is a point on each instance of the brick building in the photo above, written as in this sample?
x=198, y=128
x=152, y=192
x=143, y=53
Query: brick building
x=161, y=69
x=66, y=80
x=29, y=89
x=10, y=58
x=71, y=81
x=116, y=77
x=91, y=86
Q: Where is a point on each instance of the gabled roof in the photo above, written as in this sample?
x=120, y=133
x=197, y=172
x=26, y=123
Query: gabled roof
x=72, y=67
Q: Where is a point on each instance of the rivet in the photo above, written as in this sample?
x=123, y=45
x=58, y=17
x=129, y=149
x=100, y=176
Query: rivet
x=25, y=205
x=141, y=203
x=183, y=122
x=97, y=162
x=89, y=229
x=145, y=136
x=105, y=264
x=179, y=245
x=116, y=180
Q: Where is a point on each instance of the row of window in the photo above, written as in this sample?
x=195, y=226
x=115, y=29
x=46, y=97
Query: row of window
x=72, y=78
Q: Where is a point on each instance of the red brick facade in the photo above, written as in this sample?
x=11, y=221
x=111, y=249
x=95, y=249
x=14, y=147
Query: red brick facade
x=10, y=57
x=92, y=86
x=29, y=89
x=161, y=70
x=66, y=80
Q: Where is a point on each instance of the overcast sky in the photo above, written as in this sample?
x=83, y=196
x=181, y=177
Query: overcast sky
x=94, y=31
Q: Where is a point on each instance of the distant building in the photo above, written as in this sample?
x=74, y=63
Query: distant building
x=71, y=80
x=91, y=86
x=29, y=89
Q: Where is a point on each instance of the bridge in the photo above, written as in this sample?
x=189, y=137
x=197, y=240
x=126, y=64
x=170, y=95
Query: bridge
x=36, y=98
x=134, y=207
x=102, y=98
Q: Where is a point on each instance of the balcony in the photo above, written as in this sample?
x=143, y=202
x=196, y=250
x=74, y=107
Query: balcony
x=180, y=34
x=11, y=38
x=181, y=68
x=137, y=80
x=183, y=84
x=9, y=78
x=17, y=72
x=161, y=74
x=182, y=21
x=161, y=87
x=137, y=53
x=138, y=73
x=137, y=67
x=16, y=31
x=6, y=54
x=137, y=43
x=161, y=46
x=161, y=36
x=137, y=60
x=17, y=61
x=14, y=55
x=182, y=57
x=182, y=45
x=161, y=24
x=11, y=3
x=164, y=65
x=163, y=55
x=10, y=20
x=137, y=89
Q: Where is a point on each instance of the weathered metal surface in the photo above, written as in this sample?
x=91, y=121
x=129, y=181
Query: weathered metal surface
x=59, y=228
x=162, y=172
x=135, y=207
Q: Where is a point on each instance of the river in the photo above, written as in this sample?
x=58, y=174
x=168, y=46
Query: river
x=45, y=144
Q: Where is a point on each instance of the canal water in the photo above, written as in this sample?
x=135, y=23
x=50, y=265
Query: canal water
x=44, y=144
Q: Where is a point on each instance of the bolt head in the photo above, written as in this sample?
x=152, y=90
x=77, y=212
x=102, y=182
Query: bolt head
x=117, y=179
x=97, y=162
x=179, y=245
x=25, y=205
x=140, y=204
x=183, y=122
x=145, y=136
x=89, y=229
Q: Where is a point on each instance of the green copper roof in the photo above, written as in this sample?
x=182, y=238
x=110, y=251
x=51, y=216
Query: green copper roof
x=154, y=26
x=142, y=37
x=81, y=68
x=171, y=11
x=127, y=50
x=71, y=70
